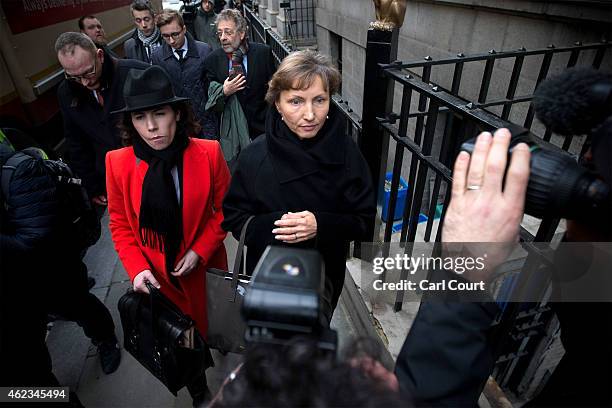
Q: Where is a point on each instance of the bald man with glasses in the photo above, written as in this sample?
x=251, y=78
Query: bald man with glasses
x=92, y=89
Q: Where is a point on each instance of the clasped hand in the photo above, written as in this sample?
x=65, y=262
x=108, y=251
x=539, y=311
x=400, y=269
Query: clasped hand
x=294, y=227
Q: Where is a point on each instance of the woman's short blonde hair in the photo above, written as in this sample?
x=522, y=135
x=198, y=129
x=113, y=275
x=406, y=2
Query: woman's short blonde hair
x=299, y=70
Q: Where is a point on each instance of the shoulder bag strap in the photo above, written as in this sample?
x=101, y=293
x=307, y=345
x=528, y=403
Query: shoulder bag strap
x=240, y=249
x=238, y=259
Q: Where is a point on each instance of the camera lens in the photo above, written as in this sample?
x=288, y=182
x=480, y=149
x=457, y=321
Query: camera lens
x=558, y=186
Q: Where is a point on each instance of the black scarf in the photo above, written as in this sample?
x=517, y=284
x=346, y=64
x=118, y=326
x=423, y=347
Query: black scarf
x=160, y=211
x=293, y=157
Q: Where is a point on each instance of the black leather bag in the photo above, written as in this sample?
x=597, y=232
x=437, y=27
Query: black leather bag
x=155, y=333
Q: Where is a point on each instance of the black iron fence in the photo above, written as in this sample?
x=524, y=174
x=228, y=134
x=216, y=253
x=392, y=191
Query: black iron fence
x=299, y=21
x=434, y=119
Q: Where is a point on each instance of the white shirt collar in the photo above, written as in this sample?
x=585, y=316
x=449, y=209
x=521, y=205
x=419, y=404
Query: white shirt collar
x=185, y=47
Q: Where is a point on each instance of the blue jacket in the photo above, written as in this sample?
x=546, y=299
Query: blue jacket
x=189, y=80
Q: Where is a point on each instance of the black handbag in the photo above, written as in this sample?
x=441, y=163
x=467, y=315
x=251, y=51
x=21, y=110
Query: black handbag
x=162, y=338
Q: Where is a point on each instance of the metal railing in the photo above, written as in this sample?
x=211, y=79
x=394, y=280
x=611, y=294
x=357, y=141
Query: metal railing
x=299, y=21
x=434, y=119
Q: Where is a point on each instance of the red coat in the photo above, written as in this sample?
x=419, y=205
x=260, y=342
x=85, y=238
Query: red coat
x=201, y=221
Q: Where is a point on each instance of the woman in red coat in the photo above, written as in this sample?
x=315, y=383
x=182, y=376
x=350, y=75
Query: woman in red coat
x=164, y=197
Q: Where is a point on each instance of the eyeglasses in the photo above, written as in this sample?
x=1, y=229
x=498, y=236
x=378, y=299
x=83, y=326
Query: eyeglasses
x=174, y=35
x=79, y=78
x=229, y=33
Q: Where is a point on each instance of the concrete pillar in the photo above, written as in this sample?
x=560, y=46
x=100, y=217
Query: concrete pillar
x=263, y=6
x=272, y=12
x=281, y=27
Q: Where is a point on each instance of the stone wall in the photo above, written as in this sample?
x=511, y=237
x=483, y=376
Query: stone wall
x=445, y=28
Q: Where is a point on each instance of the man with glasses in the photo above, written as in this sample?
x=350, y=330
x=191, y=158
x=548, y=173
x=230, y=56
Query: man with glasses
x=183, y=58
x=146, y=37
x=92, y=89
x=243, y=67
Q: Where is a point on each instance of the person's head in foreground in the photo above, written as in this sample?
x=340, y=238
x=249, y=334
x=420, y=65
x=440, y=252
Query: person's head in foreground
x=300, y=92
x=299, y=374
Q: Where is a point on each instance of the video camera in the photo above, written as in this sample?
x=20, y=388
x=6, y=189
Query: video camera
x=285, y=299
x=577, y=102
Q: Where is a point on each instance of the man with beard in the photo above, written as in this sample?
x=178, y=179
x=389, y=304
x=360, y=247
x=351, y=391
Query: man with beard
x=243, y=67
x=146, y=37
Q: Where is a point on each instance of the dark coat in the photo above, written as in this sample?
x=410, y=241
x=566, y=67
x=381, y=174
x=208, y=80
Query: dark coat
x=189, y=79
x=205, y=28
x=134, y=49
x=327, y=176
x=449, y=353
x=27, y=223
x=260, y=68
x=29, y=213
x=90, y=130
x=446, y=358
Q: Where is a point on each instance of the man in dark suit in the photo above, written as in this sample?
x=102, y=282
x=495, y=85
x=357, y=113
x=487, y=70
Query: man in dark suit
x=92, y=89
x=244, y=68
x=183, y=58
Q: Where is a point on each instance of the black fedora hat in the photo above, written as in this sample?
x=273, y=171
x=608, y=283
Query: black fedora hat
x=146, y=89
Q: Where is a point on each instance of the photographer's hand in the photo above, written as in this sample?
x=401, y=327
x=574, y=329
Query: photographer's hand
x=482, y=207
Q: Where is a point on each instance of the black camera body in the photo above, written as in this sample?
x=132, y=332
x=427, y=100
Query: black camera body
x=577, y=102
x=558, y=185
x=285, y=298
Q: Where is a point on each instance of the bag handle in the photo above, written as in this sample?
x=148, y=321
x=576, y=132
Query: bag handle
x=238, y=259
x=152, y=292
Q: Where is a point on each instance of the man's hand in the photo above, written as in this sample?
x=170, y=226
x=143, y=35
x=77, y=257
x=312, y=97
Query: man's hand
x=100, y=200
x=295, y=227
x=186, y=264
x=482, y=208
x=231, y=86
x=141, y=278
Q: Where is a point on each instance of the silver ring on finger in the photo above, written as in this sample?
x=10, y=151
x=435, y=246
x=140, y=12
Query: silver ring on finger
x=473, y=187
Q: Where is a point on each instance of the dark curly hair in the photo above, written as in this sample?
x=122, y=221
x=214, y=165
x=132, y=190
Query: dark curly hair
x=187, y=124
x=299, y=374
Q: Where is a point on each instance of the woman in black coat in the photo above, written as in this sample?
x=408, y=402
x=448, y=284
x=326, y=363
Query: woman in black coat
x=305, y=182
